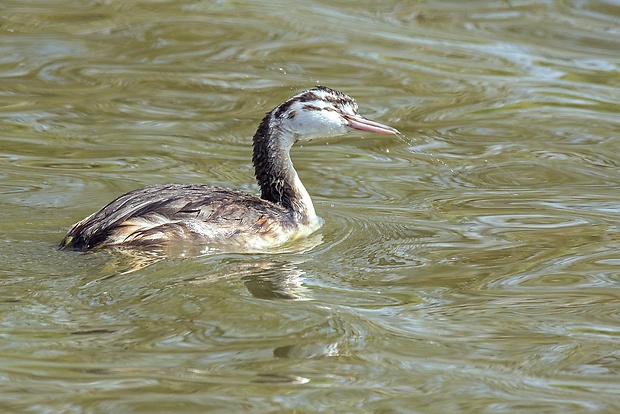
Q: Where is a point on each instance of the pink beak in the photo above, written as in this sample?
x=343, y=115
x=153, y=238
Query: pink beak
x=363, y=124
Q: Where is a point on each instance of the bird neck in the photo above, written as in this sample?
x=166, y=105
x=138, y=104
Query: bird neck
x=278, y=180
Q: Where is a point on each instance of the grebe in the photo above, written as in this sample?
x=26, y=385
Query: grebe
x=210, y=215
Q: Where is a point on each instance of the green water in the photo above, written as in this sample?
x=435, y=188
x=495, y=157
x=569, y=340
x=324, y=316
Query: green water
x=471, y=266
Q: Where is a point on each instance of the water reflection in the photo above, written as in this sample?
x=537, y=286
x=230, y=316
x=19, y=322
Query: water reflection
x=265, y=278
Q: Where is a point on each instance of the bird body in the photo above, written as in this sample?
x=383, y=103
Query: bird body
x=188, y=212
x=160, y=214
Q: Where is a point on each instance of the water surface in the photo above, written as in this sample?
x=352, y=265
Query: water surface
x=469, y=266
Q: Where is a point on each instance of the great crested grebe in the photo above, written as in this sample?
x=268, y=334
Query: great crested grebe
x=159, y=214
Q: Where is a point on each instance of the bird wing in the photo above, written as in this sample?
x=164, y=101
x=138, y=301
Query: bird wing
x=174, y=211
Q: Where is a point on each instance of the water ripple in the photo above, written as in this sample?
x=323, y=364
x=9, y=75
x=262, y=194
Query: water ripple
x=469, y=265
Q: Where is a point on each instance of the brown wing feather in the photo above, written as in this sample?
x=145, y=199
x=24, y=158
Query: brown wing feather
x=163, y=213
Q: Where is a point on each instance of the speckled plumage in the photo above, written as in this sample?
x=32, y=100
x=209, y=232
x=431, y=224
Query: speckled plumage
x=191, y=212
x=205, y=214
